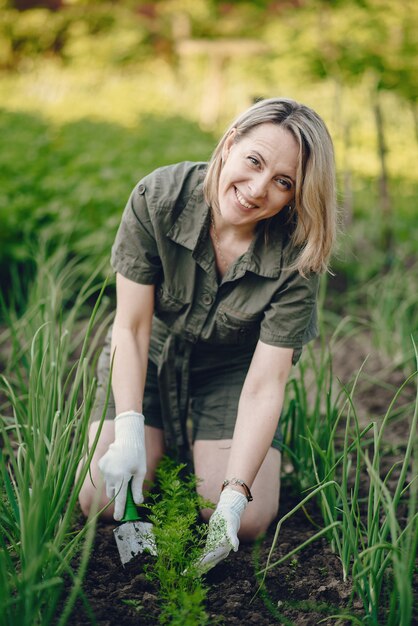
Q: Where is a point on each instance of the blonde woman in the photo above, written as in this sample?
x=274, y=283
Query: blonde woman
x=217, y=268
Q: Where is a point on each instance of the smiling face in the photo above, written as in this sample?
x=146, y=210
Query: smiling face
x=258, y=176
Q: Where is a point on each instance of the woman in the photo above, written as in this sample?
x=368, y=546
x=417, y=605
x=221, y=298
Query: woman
x=217, y=270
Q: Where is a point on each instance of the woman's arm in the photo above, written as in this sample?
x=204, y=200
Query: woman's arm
x=130, y=343
x=125, y=460
x=259, y=409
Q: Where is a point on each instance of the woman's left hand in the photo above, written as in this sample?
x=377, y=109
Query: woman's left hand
x=223, y=530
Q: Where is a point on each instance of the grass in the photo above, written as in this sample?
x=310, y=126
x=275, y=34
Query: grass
x=391, y=303
x=65, y=181
x=43, y=426
x=69, y=183
x=369, y=511
x=48, y=392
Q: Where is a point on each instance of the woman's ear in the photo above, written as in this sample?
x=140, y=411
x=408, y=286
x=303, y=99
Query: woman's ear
x=229, y=142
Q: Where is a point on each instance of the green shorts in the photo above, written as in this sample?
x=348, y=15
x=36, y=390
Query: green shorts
x=210, y=379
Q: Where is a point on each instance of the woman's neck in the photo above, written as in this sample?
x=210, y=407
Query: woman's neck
x=229, y=242
x=230, y=232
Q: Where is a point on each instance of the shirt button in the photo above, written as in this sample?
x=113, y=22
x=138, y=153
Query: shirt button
x=207, y=299
x=141, y=189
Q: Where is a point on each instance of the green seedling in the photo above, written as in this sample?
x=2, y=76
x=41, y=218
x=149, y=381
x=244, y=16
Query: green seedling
x=179, y=540
x=136, y=605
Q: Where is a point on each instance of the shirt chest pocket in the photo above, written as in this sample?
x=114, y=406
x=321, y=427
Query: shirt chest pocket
x=170, y=308
x=236, y=327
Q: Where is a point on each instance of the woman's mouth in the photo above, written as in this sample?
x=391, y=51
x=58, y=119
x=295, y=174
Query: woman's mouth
x=243, y=201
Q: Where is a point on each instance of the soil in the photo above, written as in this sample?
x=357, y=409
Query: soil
x=305, y=590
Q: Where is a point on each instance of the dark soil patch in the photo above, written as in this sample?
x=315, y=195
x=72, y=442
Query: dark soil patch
x=302, y=591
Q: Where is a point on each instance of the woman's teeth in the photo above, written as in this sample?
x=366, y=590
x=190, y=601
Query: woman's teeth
x=242, y=201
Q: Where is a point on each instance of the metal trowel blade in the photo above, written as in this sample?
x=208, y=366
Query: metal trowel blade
x=132, y=538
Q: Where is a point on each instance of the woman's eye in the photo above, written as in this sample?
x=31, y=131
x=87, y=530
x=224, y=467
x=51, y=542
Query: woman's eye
x=253, y=160
x=284, y=183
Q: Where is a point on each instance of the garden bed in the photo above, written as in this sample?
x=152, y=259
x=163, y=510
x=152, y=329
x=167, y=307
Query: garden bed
x=302, y=590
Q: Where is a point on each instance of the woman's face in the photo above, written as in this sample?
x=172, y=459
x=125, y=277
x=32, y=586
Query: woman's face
x=258, y=175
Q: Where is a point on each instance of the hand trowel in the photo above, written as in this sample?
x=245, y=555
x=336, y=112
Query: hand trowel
x=132, y=536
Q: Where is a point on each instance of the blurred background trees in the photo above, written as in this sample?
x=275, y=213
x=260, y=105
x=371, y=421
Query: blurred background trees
x=94, y=93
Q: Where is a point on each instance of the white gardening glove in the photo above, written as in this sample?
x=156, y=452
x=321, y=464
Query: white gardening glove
x=223, y=529
x=124, y=460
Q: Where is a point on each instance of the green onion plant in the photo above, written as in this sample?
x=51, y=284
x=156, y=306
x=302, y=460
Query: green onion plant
x=369, y=512
x=389, y=303
x=43, y=428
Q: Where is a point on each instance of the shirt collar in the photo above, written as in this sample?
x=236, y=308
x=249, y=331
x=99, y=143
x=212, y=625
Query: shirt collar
x=263, y=257
x=188, y=226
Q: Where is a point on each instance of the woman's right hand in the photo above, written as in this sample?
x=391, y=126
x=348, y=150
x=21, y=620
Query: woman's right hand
x=125, y=460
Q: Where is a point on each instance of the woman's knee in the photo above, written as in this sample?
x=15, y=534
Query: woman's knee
x=253, y=523
x=93, y=499
x=256, y=523
x=260, y=513
x=155, y=447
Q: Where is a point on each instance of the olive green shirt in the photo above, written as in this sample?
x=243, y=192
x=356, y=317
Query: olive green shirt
x=163, y=239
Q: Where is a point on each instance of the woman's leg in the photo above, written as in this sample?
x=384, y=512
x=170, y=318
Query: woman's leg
x=154, y=444
x=210, y=462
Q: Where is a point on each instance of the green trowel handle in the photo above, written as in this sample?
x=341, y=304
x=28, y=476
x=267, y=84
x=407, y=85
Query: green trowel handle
x=131, y=513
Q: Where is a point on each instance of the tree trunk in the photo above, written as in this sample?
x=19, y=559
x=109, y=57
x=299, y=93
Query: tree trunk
x=414, y=108
x=344, y=128
x=385, y=203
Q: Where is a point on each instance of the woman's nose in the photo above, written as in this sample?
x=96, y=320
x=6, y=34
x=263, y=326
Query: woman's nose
x=257, y=187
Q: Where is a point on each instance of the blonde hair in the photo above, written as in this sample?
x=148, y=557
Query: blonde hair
x=314, y=212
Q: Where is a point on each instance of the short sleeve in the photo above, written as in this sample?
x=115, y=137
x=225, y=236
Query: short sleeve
x=134, y=252
x=290, y=321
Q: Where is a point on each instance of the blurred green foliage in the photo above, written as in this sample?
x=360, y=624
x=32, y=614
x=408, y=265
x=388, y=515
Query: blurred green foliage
x=71, y=182
x=343, y=39
x=77, y=31
x=95, y=93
